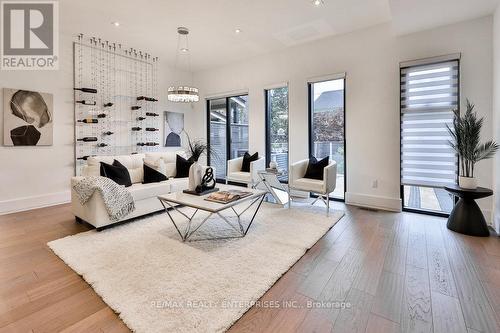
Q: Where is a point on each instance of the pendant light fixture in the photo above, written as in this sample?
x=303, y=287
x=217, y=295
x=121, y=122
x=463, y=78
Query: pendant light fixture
x=183, y=93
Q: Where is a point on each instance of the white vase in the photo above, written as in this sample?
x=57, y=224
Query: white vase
x=467, y=182
x=195, y=175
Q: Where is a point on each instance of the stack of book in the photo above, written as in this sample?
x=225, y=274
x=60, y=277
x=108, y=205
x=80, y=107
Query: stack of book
x=227, y=196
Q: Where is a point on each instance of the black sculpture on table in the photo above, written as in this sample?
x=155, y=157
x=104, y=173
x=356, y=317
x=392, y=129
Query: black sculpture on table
x=207, y=182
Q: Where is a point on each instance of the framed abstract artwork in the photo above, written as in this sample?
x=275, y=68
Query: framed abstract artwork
x=174, y=126
x=27, y=118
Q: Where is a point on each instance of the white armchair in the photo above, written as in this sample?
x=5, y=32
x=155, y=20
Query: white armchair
x=234, y=173
x=320, y=187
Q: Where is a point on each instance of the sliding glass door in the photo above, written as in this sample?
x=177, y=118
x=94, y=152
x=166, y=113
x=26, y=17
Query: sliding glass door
x=227, y=131
x=327, y=126
x=217, y=134
x=277, y=128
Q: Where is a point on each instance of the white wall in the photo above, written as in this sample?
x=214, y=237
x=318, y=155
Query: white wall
x=39, y=176
x=371, y=60
x=496, y=114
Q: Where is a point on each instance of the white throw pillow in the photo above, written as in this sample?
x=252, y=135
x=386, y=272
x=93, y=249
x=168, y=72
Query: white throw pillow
x=136, y=175
x=157, y=164
x=171, y=169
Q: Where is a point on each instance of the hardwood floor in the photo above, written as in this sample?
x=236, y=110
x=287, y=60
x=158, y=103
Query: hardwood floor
x=389, y=272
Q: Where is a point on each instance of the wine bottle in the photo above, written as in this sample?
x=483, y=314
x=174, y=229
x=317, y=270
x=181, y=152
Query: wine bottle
x=88, y=121
x=87, y=90
x=83, y=158
x=135, y=107
x=84, y=102
x=151, y=129
x=136, y=128
x=102, y=144
x=148, y=144
x=101, y=115
x=108, y=133
x=152, y=114
x=108, y=105
x=140, y=98
x=151, y=99
x=141, y=118
x=88, y=139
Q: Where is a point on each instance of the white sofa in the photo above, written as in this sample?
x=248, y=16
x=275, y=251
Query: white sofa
x=145, y=195
x=234, y=173
x=321, y=187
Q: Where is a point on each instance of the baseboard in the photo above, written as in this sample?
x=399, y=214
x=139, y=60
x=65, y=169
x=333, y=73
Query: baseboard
x=371, y=201
x=488, y=216
x=39, y=201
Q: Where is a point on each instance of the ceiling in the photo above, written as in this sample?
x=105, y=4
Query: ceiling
x=266, y=25
x=411, y=15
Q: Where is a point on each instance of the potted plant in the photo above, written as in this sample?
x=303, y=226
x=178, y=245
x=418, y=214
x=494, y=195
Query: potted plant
x=466, y=133
x=196, y=148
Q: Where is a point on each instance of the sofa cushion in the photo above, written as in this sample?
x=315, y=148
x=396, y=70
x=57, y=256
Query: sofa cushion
x=146, y=191
x=117, y=172
x=315, y=168
x=241, y=176
x=308, y=184
x=159, y=165
x=182, y=167
x=152, y=175
x=132, y=162
x=247, y=159
x=169, y=157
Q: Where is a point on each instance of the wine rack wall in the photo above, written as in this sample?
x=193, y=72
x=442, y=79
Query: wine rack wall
x=116, y=100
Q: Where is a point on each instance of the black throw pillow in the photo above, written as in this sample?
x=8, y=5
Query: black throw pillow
x=152, y=176
x=116, y=172
x=182, y=165
x=315, y=168
x=247, y=159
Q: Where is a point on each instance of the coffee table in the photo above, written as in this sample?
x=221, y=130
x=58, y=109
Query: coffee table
x=178, y=200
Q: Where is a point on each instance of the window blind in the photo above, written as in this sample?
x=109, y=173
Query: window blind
x=429, y=94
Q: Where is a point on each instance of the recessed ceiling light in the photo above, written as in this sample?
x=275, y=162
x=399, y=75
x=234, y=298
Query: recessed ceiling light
x=116, y=24
x=184, y=50
x=237, y=30
x=318, y=3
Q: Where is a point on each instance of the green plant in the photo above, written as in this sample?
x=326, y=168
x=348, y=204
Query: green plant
x=466, y=133
x=197, y=148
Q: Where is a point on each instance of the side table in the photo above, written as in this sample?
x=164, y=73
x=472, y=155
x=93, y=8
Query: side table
x=466, y=217
x=270, y=182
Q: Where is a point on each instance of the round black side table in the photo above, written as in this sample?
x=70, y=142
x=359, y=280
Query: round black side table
x=466, y=217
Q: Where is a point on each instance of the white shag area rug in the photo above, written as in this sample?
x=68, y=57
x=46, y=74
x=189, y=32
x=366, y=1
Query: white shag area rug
x=157, y=283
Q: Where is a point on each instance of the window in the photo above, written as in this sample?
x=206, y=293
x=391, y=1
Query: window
x=277, y=128
x=429, y=94
x=227, y=131
x=327, y=126
x=218, y=136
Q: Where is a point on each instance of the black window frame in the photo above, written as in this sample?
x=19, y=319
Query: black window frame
x=455, y=199
x=228, y=128
x=268, y=127
x=310, y=128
